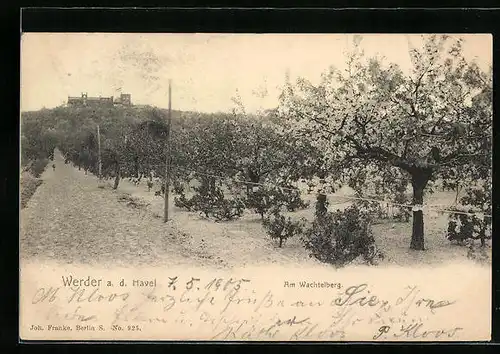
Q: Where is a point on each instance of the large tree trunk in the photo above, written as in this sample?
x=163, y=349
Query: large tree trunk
x=419, y=181
x=117, y=177
x=136, y=166
x=321, y=199
x=212, y=183
x=321, y=205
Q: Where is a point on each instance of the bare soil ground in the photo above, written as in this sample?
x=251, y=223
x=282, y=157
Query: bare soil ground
x=69, y=219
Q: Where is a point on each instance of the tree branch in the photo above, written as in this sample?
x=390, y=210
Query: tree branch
x=452, y=157
x=361, y=125
x=405, y=151
x=325, y=126
x=379, y=154
x=437, y=123
x=409, y=114
x=419, y=80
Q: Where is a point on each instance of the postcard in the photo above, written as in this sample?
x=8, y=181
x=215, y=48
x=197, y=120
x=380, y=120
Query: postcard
x=255, y=187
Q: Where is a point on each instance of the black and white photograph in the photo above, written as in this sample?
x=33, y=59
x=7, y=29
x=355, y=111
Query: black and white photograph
x=256, y=187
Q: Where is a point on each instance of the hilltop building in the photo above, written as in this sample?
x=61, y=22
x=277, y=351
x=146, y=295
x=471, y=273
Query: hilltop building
x=125, y=99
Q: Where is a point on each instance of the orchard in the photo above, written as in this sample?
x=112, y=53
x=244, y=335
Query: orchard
x=391, y=135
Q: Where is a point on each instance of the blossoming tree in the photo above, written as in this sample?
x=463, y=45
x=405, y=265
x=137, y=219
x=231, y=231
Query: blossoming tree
x=373, y=118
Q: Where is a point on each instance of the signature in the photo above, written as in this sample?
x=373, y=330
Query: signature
x=234, y=312
x=416, y=330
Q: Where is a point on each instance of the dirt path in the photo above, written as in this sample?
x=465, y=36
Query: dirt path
x=70, y=220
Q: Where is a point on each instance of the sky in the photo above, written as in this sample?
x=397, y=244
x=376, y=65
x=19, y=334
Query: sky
x=206, y=70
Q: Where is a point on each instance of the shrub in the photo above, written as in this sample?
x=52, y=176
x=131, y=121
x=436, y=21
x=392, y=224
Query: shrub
x=281, y=228
x=210, y=201
x=294, y=202
x=264, y=200
x=227, y=209
x=340, y=237
x=182, y=202
x=178, y=187
x=463, y=227
x=38, y=166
